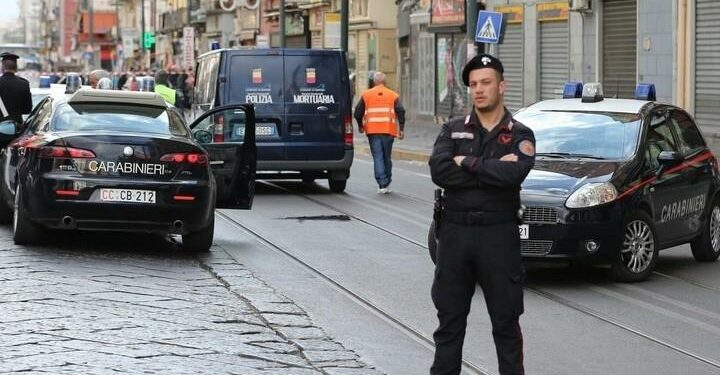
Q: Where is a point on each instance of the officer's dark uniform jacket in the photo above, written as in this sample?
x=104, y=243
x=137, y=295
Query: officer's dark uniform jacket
x=483, y=182
x=15, y=93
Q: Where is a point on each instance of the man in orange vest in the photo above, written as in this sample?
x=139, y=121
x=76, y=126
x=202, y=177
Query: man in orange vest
x=381, y=116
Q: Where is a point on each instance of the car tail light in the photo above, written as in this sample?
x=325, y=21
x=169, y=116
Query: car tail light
x=348, y=130
x=184, y=198
x=67, y=193
x=65, y=152
x=185, y=157
x=219, y=135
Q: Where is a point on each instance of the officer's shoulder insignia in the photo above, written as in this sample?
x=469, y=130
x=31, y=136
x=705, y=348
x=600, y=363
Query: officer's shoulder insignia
x=527, y=148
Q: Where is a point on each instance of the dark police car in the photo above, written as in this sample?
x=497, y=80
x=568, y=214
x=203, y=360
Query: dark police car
x=614, y=182
x=617, y=180
x=123, y=161
x=303, y=106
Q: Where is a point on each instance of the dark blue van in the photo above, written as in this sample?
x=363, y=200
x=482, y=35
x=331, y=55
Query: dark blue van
x=302, y=108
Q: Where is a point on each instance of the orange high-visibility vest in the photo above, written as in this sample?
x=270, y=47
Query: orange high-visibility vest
x=380, y=117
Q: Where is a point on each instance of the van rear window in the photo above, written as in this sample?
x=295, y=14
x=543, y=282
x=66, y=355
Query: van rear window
x=259, y=80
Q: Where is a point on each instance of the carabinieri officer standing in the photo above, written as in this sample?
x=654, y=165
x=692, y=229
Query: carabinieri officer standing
x=480, y=161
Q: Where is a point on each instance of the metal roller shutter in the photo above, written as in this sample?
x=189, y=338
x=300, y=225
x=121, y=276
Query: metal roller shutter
x=425, y=94
x=554, y=58
x=510, y=52
x=619, y=48
x=707, y=74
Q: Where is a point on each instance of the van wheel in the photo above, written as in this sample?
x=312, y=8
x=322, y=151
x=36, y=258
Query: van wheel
x=24, y=230
x=337, y=186
x=638, y=254
x=432, y=243
x=200, y=241
x=706, y=248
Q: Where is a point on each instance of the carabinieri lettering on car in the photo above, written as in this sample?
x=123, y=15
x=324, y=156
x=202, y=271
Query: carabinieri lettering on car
x=110, y=166
x=678, y=209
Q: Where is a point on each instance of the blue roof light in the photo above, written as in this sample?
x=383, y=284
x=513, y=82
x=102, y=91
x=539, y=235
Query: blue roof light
x=44, y=82
x=645, y=91
x=572, y=90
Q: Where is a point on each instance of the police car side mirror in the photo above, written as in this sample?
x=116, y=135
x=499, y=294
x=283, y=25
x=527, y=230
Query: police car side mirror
x=667, y=158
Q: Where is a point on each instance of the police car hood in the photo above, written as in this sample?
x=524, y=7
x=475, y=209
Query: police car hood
x=559, y=179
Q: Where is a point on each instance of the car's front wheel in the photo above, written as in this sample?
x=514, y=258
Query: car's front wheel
x=638, y=254
x=706, y=248
x=200, y=241
x=24, y=230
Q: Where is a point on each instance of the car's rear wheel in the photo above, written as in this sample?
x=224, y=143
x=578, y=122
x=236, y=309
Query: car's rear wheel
x=638, y=254
x=432, y=242
x=200, y=241
x=706, y=248
x=24, y=230
x=6, y=211
x=337, y=186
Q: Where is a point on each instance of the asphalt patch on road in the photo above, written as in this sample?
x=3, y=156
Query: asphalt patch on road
x=319, y=218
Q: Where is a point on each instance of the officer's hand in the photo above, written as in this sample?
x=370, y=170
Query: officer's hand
x=509, y=157
x=459, y=159
x=402, y=135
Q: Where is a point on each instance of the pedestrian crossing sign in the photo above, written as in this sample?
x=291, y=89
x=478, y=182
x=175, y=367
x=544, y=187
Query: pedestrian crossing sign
x=489, y=26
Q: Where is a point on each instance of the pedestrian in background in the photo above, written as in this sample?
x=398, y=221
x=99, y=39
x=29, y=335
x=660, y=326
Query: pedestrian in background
x=15, y=97
x=96, y=75
x=480, y=161
x=380, y=114
x=162, y=88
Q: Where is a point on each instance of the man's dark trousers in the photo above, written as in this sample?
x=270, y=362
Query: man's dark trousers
x=381, y=150
x=488, y=255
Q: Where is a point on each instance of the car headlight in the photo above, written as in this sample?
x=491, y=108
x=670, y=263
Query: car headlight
x=592, y=194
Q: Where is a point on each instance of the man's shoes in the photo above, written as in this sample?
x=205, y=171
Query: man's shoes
x=384, y=190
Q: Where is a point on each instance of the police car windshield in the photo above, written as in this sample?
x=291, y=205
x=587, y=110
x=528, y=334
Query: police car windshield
x=594, y=135
x=117, y=118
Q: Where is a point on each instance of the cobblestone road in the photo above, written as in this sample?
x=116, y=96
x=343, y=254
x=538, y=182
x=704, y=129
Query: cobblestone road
x=81, y=306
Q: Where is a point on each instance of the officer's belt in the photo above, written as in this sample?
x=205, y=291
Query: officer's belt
x=479, y=217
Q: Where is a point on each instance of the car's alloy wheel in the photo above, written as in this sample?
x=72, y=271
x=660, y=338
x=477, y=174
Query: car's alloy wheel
x=24, y=230
x=638, y=253
x=706, y=248
x=638, y=246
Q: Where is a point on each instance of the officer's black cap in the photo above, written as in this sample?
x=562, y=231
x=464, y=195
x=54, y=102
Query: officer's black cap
x=8, y=56
x=478, y=62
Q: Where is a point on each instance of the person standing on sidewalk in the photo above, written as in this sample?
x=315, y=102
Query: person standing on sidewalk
x=480, y=161
x=380, y=114
x=15, y=93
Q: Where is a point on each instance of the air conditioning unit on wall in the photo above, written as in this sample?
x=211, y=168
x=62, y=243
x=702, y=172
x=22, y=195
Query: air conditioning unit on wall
x=580, y=5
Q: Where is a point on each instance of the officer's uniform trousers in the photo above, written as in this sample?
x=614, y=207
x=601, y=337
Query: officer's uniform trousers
x=486, y=254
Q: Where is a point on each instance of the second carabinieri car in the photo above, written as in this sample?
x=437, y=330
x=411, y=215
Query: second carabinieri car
x=617, y=180
x=123, y=161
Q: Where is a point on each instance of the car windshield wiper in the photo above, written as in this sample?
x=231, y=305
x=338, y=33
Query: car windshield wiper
x=569, y=155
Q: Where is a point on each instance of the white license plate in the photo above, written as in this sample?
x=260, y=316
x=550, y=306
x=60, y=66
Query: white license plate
x=127, y=195
x=524, y=231
x=260, y=130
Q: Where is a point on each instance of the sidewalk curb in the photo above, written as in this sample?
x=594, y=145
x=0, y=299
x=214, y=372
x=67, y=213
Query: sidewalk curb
x=398, y=153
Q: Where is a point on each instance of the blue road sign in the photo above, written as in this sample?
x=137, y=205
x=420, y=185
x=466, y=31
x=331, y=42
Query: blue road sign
x=488, y=27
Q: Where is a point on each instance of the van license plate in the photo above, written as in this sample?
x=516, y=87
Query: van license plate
x=127, y=195
x=524, y=231
x=260, y=130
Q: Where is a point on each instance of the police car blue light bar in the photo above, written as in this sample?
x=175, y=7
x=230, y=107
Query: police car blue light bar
x=147, y=84
x=572, y=90
x=72, y=83
x=592, y=92
x=645, y=91
x=44, y=82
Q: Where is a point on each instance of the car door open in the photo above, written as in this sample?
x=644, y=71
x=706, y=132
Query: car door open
x=228, y=135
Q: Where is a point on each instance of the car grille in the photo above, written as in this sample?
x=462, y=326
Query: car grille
x=535, y=247
x=540, y=215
